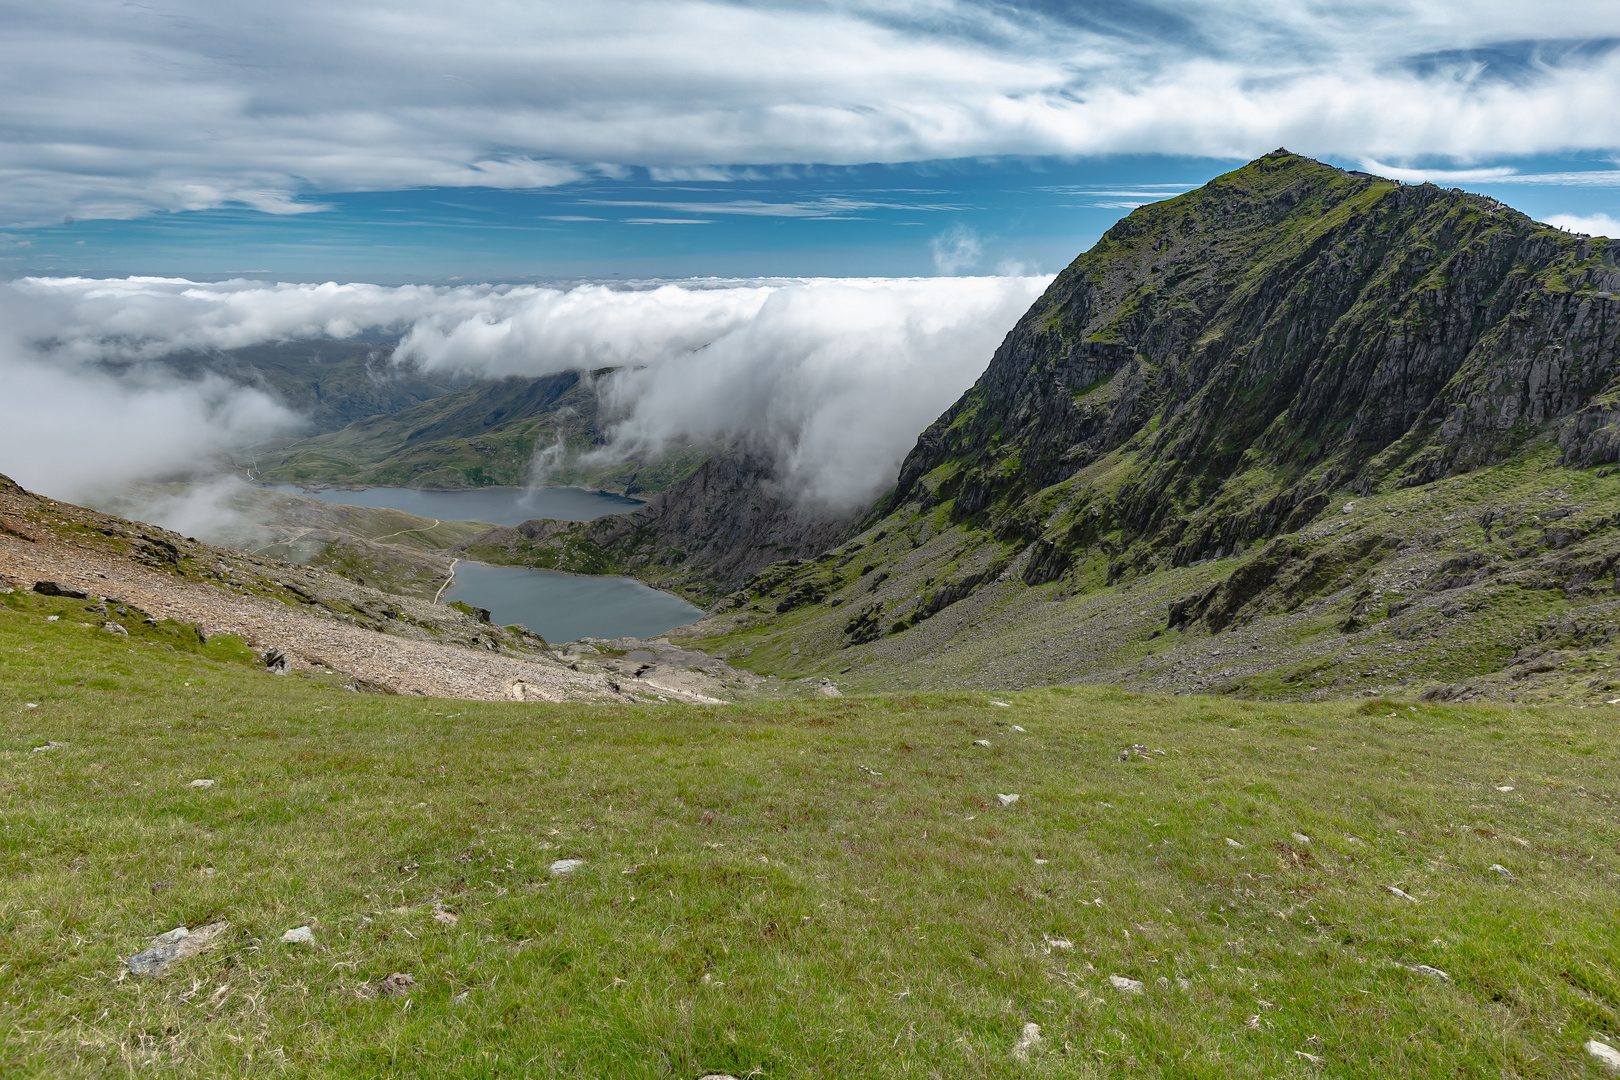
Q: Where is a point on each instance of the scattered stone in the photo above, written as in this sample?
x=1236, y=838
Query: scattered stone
x=275, y=661
x=1126, y=986
x=445, y=918
x=1393, y=891
x=52, y=745
x=1001, y=704
x=114, y=628
x=174, y=946
x=564, y=867
x=1498, y=868
x=1183, y=983
x=398, y=984
x=1018, y=729
x=1300, y=838
x=1006, y=800
x=717, y=1076
x=31, y=704
x=53, y=588
x=1028, y=1040
x=301, y=935
x=1232, y=843
x=826, y=689
x=1432, y=972
x=201, y=784
x=1139, y=751
x=982, y=742
x=1605, y=1055
x=1504, y=787
x=1060, y=944
x=1042, y=862
x=52, y=618
x=869, y=772
x=1349, y=506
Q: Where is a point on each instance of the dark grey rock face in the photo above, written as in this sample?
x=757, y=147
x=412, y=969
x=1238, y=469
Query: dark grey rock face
x=1285, y=330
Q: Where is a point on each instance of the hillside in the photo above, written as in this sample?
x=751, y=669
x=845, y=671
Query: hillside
x=1301, y=431
x=328, y=383
x=792, y=889
x=489, y=433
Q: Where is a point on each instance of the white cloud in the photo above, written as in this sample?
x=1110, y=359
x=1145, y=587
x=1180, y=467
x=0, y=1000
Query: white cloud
x=834, y=378
x=956, y=249
x=73, y=428
x=1592, y=224
x=116, y=110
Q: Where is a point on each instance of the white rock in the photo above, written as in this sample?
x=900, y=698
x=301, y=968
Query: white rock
x=1232, y=843
x=1299, y=838
x=1504, y=787
x=1393, y=891
x=1124, y=985
x=1606, y=1055
x=981, y=742
x=1018, y=729
x=1042, y=862
x=52, y=745
x=1432, y=972
x=1060, y=944
x=298, y=935
x=1006, y=800
x=1498, y=868
x=201, y=784
x=565, y=866
x=1001, y=704
x=32, y=704
x=1028, y=1040
x=1349, y=506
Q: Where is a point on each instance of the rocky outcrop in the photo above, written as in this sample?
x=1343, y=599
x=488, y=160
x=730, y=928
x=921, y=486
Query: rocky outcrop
x=703, y=537
x=1286, y=329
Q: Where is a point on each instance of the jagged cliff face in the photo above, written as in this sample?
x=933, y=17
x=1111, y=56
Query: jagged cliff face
x=1291, y=327
x=1260, y=438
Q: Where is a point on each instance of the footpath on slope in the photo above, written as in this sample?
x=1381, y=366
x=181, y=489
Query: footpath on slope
x=318, y=620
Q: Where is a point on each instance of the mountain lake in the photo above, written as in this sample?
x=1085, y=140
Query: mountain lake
x=558, y=607
x=564, y=607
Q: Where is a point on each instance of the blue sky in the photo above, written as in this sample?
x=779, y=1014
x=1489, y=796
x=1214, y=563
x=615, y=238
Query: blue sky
x=419, y=142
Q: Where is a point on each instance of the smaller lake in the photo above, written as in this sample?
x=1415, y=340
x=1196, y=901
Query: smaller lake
x=501, y=506
x=564, y=607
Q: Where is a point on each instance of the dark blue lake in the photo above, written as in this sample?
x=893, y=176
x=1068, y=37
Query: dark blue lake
x=499, y=506
x=564, y=607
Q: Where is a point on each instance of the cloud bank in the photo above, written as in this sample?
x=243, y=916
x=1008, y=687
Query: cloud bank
x=116, y=110
x=833, y=378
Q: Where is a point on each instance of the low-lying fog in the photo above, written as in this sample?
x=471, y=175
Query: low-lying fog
x=834, y=378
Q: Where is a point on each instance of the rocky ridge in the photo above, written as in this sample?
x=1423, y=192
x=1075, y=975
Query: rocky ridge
x=1167, y=452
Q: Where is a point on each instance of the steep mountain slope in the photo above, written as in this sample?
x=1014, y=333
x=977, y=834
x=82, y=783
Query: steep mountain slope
x=483, y=434
x=1155, y=438
x=706, y=535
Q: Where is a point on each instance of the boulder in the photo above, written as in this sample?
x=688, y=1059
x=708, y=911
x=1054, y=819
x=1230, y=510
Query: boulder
x=54, y=588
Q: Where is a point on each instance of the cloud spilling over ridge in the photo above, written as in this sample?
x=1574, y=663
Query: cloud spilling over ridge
x=103, y=105
x=833, y=378
x=72, y=427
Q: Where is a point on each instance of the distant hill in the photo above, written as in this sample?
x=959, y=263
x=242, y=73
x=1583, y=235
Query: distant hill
x=485, y=433
x=1300, y=431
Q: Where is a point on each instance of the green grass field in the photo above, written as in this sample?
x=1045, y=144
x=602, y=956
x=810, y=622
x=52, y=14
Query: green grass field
x=791, y=889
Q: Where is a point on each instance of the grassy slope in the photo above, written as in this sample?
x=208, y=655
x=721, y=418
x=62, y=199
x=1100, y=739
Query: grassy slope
x=1407, y=592
x=754, y=900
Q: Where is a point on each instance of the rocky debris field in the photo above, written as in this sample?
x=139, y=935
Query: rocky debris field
x=306, y=621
